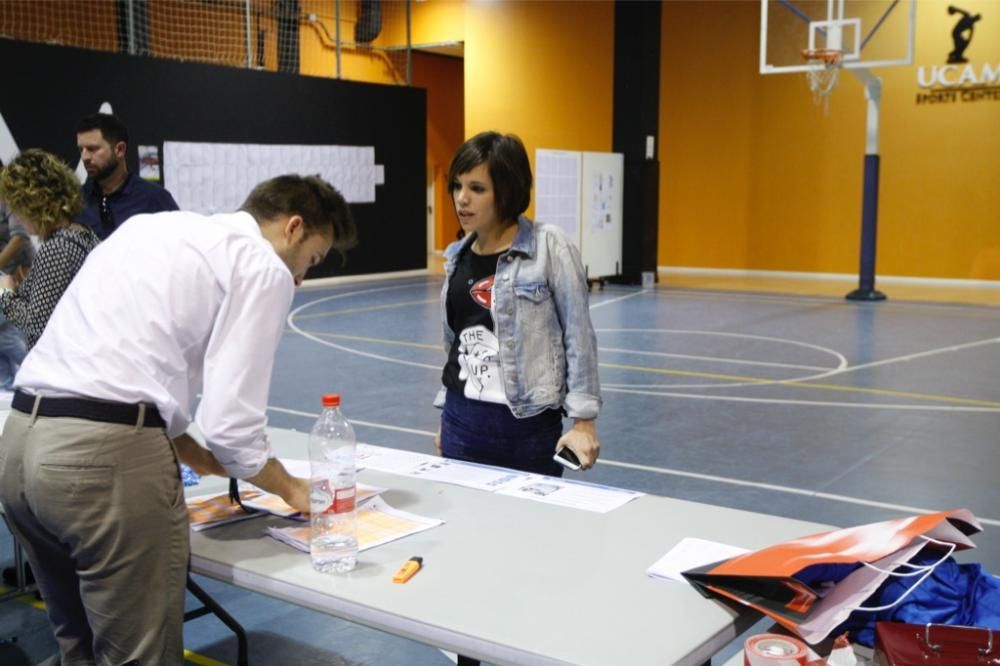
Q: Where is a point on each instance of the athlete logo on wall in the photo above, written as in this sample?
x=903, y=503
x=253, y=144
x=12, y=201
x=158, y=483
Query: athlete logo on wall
x=961, y=34
x=959, y=80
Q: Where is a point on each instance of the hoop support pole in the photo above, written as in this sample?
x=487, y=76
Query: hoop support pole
x=869, y=197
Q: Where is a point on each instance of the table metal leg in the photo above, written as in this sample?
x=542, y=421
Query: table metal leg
x=212, y=606
x=20, y=582
x=21, y=585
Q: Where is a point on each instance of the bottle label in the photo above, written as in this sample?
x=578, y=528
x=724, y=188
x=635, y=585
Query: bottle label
x=343, y=500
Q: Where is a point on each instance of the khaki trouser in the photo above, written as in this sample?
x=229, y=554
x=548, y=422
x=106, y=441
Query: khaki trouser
x=99, y=509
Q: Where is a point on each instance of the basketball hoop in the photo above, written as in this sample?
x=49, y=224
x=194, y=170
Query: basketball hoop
x=824, y=67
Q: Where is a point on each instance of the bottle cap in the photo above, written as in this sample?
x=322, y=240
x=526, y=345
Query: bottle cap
x=331, y=400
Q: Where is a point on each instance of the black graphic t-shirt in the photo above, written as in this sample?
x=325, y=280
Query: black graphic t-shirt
x=473, y=366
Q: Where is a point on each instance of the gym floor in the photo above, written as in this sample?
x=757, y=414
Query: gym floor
x=801, y=405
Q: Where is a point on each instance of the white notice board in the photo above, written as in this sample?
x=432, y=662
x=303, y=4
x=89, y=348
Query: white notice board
x=601, y=213
x=581, y=193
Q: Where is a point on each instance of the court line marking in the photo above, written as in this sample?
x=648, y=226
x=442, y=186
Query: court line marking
x=609, y=301
x=28, y=599
x=975, y=405
x=295, y=315
x=808, y=403
x=971, y=310
x=384, y=341
x=370, y=424
x=201, y=659
x=370, y=308
x=974, y=310
x=784, y=489
x=712, y=359
x=667, y=471
x=930, y=352
x=737, y=381
x=290, y=320
x=825, y=387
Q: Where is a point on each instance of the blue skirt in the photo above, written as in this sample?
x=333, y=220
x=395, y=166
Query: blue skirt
x=487, y=433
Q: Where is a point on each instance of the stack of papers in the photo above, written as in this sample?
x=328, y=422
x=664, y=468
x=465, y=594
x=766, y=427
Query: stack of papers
x=208, y=511
x=470, y=475
x=691, y=553
x=378, y=523
x=536, y=487
x=572, y=494
x=275, y=505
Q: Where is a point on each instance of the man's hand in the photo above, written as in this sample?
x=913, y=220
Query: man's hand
x=274, y=478
x=582, y=439
x=197, y=457
x=298, y=494
x=437, y=441
x=7, y=282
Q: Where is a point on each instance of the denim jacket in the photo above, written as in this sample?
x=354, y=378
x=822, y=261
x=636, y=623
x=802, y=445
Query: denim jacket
x=548, y=350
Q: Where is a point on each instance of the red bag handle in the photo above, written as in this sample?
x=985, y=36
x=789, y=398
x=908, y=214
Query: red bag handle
x=937, y=647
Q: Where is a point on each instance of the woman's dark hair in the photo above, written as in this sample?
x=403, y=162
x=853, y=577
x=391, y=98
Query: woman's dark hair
x=507, y=161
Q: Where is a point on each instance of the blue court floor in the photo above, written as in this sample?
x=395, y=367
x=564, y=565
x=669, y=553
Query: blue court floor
x=806, y=407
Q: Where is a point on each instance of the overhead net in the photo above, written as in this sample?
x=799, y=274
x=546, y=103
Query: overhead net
x=824, y=69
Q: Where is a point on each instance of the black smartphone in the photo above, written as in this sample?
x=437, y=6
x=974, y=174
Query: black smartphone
x=566, y=457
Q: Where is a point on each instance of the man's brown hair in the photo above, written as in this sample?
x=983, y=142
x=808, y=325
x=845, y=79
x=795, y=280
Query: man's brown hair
x=322, y=208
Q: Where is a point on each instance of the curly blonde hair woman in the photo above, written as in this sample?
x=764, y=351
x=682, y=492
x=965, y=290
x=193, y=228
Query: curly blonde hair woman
x=45, y=196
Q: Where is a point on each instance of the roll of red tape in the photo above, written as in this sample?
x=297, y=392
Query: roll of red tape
x=774, y=650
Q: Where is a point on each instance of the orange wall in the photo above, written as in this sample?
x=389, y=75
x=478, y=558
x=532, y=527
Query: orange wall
x=436, y=21
x=442, y=77
x=541, y=70
x=755, y=176
x=318, y=51
x=704, y=148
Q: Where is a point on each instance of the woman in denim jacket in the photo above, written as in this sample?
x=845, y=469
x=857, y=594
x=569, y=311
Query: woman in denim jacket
x=521, y=347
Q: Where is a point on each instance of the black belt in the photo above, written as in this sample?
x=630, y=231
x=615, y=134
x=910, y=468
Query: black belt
x=92, y=410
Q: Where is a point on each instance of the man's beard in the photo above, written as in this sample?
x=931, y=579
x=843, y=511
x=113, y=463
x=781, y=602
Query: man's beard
x=108, y=169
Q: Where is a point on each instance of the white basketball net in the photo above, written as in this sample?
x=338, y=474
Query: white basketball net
x=824, y=68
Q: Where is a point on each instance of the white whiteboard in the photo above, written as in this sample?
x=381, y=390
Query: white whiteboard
x=601, y=181
x=581, y=193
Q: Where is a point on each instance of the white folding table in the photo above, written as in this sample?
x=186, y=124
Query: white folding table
x=508, y=580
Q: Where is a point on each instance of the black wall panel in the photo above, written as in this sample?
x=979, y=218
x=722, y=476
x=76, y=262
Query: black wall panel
x=636, y=116
x=45, y=90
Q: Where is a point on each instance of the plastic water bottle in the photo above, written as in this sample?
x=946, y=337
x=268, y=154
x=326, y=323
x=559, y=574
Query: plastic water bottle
x=333, y=545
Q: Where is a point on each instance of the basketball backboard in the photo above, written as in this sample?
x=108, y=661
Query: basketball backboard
x=869, y=33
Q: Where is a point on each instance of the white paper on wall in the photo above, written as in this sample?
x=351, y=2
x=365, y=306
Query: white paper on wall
x=216, y=177
x=557, y=190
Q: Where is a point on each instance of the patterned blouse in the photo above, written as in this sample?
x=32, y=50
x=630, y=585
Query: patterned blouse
x=59, y=258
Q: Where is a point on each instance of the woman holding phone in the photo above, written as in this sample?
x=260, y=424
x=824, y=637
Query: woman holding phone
x=521, y=347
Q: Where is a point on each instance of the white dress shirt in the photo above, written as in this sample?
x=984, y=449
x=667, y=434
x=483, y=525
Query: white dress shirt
x=168, y=306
